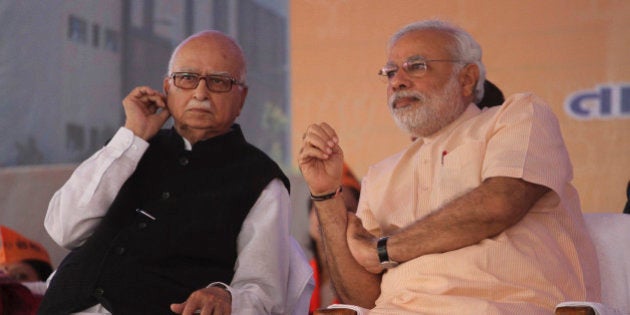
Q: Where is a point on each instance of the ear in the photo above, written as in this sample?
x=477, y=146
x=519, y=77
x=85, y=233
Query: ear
x=468, y=78
x=166, y=84
x=243, y=93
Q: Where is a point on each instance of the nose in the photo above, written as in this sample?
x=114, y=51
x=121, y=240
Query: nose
x=201, y=91
x=399, y=81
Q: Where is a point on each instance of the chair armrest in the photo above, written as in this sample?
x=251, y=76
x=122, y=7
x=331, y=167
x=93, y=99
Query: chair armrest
x=587, y=308
x=574, y=310
x=334, y=311
x=342, y=309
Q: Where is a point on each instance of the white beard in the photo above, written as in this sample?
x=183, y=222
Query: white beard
x=430, y=113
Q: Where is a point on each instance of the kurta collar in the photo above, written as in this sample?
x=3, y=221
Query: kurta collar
x=471, y=111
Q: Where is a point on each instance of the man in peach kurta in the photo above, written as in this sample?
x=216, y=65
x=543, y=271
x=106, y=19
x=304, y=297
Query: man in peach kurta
x=536, y=261
x=476, y=216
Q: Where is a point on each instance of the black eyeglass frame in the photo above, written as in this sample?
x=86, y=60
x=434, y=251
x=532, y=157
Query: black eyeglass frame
x=208, y=79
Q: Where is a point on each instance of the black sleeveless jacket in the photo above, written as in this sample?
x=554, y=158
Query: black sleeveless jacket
x=194, y=204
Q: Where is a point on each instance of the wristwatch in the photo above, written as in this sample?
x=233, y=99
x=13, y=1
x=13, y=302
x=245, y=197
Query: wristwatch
x=381, y=249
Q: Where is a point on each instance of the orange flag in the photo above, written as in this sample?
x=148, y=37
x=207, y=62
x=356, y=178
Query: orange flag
x=14, y=247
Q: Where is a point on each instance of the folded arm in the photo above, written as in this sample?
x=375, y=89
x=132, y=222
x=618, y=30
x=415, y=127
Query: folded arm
x=494, y=206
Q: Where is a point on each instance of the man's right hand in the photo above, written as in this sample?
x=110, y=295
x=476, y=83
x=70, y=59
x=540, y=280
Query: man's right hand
x=210, y=300
x=145, y=111
x=321, y=159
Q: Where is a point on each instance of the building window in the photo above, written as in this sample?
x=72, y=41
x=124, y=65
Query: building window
x=75, y=137
x=96, y=32
x=220, y=12
x=77, y=29
x=112, y=40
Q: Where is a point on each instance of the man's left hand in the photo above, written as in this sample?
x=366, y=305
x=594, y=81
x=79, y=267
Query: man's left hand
x=363, y=245
x=211, y=300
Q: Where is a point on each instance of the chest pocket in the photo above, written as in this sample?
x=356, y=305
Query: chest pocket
x=459, y=172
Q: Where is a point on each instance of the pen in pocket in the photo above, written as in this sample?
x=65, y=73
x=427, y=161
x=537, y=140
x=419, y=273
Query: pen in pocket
x=148, y=215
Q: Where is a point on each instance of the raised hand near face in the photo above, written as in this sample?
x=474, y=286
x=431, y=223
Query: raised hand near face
x=321, y=159
x=146, y=111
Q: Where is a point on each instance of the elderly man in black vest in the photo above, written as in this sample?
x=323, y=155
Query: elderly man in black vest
x=185, y=220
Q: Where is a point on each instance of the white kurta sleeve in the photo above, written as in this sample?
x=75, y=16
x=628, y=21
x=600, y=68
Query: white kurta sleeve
x=261, y=274
x=78, y=206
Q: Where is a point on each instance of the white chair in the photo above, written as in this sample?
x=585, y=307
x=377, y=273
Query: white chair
x=611, y=235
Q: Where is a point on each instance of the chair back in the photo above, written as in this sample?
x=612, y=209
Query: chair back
x=610, y=233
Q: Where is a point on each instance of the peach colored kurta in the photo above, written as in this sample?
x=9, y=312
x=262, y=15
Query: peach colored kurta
x=544, y=259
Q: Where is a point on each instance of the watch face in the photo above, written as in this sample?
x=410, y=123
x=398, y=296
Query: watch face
x=389, y=264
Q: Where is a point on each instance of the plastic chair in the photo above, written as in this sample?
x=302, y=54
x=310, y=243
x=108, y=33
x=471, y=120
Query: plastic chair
x=610, y=233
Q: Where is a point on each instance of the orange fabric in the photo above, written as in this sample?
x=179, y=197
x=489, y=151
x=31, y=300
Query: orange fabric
x=315, y=298
x=348, y=178
x=14, y=247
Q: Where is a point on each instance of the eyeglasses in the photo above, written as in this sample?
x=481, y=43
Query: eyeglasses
x=214, y=82
x=415, y=67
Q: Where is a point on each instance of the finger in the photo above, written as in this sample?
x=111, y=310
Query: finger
x=177, y=307
x=142, y=91
x=145, y=94
x=318, y=131
x=321, y=135
x=322, y=144
x=208, y=310
x=330, y=132
x=163, y=115
x=191, y=308
x=158, y=99
x=310, y=153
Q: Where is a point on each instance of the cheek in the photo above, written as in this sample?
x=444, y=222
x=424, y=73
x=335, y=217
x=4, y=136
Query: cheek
x=174, y=104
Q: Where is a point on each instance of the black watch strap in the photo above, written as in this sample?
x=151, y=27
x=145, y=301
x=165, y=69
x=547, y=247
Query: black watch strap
x=381, y=248
x=383, y=257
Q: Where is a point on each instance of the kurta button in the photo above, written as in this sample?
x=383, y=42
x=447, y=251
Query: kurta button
x=183, y=161
x=142, y=225
x=120, y=250
x=166, y=195
x=98, y=292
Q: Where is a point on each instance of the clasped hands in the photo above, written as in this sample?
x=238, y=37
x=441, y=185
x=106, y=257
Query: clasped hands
x=321, y=163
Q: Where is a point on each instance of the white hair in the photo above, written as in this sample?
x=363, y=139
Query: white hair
x=465, y=47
